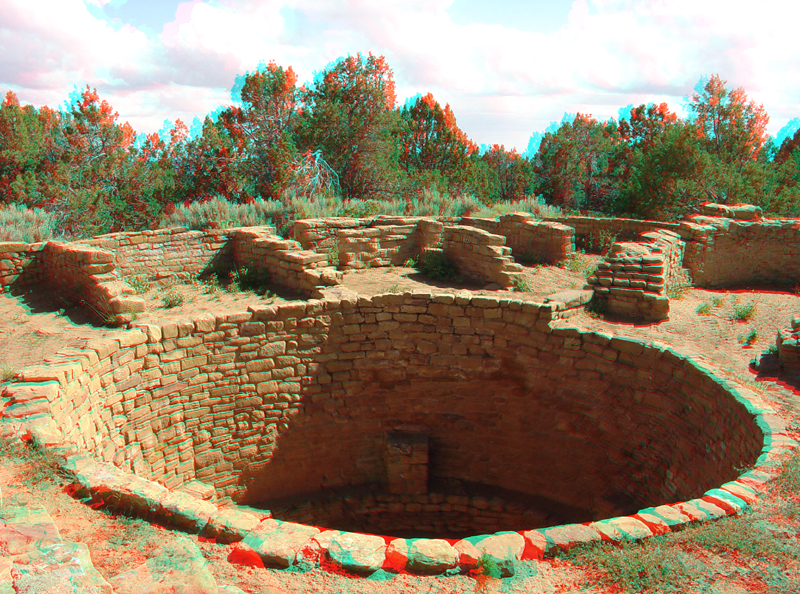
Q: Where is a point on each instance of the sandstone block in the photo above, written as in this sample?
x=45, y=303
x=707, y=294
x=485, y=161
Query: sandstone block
x=359, y=553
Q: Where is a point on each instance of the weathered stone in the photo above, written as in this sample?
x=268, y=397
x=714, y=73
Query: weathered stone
x=278, y=543
x=359, y=553
x=502, y=550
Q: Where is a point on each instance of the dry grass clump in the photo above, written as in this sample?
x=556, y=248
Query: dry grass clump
x=29, y=225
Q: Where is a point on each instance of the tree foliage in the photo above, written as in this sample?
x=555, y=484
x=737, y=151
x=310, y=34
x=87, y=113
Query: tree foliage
x=342, y=137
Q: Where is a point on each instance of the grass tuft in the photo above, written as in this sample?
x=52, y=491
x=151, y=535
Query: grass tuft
x=172, y=298
x=744, y=312
x=6, y=371
x=29, y=225
x=520, y=284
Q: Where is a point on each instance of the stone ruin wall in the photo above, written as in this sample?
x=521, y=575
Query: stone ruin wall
x=166, y=253
x=92, y=271
x=389, y=245
x=635, y=277
x=543, y=241
x=788, y=343
x=622, y=229
x=722, y=252
x=297, y=398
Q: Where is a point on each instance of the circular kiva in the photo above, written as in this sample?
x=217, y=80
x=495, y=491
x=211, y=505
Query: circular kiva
x=462, y=429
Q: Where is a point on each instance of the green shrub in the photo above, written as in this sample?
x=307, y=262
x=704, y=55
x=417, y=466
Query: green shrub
x=333, y=255
x=139, y=285
x=520, y=284
x=411, y=263
x=578, y=262
x=489, y=567
x=600, y=241
x=28, y=225
x=744, y=312
x=172, y=298
x=750, y=338
x=248, y=280
x=436, y=266
x=219, y=213
x=704, y=308
x=6, y=371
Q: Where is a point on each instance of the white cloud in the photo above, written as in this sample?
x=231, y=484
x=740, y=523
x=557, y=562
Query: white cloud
x=502, y=83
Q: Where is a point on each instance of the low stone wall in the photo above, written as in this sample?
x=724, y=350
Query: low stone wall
x=590, y=229
x=788, y=343
x=634, y=278
x=320, y=235
x=213, y=398
x=480, y=255
x=545, y=241
x=722, y=251
x=415, y=516
x=389, y=245
x=286, y=265
x=165, y=253
x=18, y=264
x=87, y=275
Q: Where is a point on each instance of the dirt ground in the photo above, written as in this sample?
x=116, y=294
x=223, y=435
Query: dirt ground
x=34, y=326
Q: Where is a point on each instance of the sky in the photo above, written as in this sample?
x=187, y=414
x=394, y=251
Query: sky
x=509, y=70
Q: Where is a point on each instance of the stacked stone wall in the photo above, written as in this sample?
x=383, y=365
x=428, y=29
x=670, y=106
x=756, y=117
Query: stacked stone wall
x=417, y=516
x=480, y=255
x=321, y=235
x=84, y=274
x=283, y=261
x=389, y=245
x=18, y=264
x=788, y=343
x=722, y=251
x=588, y=230
x=635, y=277
x=545, y=241
x=168, y=253
x=297, y=398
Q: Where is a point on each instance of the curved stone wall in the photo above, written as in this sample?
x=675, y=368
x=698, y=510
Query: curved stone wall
x=293, y=399
x=289, y=400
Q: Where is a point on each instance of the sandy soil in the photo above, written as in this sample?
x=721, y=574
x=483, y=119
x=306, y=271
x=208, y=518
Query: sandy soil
x=35, y=326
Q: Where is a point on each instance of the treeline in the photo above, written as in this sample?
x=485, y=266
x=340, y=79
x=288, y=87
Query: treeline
x=343, y=137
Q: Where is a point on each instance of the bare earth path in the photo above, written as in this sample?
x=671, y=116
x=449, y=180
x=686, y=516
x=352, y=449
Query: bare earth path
x=35, y=327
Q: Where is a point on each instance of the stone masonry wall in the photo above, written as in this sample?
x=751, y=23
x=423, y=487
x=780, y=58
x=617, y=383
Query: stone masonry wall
x=634, y=278
x=88, y=275
x=546, y=241
x=287, y=265
x=623, y=229
x=788, y=343
x=377, y=246
x=480, y=255
x=723, y=251
x=297, y=398
x=18, y=263
x=175, y=252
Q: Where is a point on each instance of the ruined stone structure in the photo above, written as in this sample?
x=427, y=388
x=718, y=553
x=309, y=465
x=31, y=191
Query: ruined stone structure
x=409, y=405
